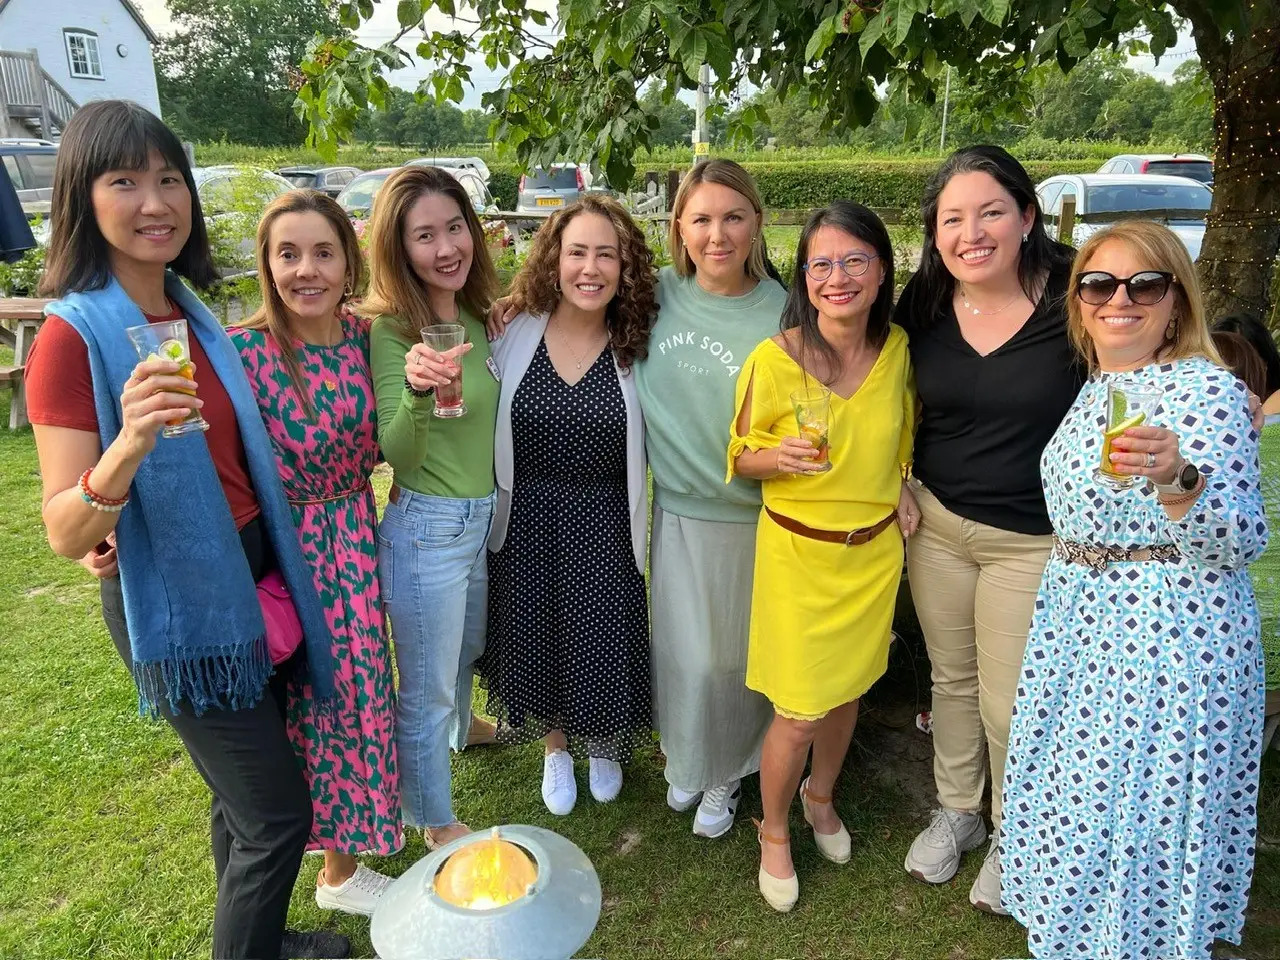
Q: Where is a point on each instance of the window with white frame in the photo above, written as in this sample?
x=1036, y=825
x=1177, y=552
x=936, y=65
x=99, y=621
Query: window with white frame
x=82, y=54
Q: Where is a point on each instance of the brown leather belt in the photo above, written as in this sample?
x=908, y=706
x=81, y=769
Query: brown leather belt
x=851, y=538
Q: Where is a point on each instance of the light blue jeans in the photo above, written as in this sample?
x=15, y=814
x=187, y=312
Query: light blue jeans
x=433, y=569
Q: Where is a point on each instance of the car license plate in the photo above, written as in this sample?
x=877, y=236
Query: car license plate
x=551, y=201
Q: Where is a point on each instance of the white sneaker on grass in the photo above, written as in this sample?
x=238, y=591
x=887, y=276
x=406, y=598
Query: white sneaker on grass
x=358, y=894
x=716, y=811
x=605, y=779
x=985, y=893
x=934, y=857
x=559, y=788
x=681, y=800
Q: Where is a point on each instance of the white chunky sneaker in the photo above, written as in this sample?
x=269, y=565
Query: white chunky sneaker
x=358, y=894
x=985, y=893
x=934, y=857
x=605, y=779
x=681, y=800
x=715, y=812
x=559, y=788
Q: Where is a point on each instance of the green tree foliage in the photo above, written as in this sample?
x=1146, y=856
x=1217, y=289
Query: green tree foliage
x=406, y=121
x=225, y=73
x=674, y=118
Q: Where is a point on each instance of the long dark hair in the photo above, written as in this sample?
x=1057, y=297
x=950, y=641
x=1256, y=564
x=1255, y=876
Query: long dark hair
x=857, y=221
x=1040, y=254
x=1260, y=339
x=101, y=136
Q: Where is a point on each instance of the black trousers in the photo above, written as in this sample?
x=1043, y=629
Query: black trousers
x=260, y=816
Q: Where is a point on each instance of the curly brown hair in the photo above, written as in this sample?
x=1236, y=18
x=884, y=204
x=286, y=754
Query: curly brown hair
x=633, y=309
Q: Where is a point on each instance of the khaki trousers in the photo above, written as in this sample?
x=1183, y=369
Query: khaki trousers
x=974, y=590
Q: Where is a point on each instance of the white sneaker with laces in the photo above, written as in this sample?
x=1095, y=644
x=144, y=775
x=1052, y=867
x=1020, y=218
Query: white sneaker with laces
x=358, y=894
x=605, y=779
x=681, y=800
x=716, y=811
x=934, y=857
x=985, y=893
x=559, y=788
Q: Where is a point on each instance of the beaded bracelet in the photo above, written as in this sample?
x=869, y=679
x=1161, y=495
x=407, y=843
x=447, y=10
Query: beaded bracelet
x=418, y=393
x=97, y=500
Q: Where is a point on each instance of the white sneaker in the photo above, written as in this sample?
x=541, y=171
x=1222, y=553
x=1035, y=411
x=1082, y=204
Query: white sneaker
x=559, y=788
x=605, y=779
x=681, y=800
x=985, y=893
x=934, y=857
x=358, y=894
x=715, y=812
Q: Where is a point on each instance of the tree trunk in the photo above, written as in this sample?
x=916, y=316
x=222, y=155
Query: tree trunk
x=1243, y=230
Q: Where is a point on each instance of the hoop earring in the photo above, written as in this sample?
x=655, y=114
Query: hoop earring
x=557, y=286
x=346, y=290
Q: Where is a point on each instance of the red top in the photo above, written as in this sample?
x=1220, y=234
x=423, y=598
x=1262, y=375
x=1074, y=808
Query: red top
x=59, y=392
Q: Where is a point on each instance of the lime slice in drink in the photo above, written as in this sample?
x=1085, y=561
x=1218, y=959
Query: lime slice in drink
x=173, y=350
x=1119, y=428
x=1119, y=406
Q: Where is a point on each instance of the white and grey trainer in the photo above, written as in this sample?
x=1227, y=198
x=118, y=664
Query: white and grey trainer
x=559, y=788
x=985, y=893
x=935, y=854
x=716, y=811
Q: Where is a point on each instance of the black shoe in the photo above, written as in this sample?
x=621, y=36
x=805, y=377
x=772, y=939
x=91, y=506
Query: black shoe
x=308, y=944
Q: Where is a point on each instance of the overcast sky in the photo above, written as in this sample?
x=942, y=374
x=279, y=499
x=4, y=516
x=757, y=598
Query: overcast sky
x=383, y=27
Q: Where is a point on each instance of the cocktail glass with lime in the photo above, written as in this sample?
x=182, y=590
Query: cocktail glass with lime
x=813, y=417
x=1128, y=405
x=169, y=341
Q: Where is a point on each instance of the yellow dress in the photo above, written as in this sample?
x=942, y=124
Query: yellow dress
x=821, y=612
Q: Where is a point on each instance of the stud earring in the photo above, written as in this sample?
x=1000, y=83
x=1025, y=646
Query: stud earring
x=1026, y=237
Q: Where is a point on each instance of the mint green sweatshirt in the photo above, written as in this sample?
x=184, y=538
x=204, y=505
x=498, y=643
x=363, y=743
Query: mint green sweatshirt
x=686, y=388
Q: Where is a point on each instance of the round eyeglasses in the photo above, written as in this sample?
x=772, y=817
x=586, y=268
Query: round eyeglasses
x=1146, y=288
x=855, y=265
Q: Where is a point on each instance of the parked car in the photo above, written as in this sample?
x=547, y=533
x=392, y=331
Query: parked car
x=559, y=186
x=1195, y=166
x=1104, y=198
x=358, y=196
x=328, y=180
x=233, y=198
x=30, y=164
x=454, y=163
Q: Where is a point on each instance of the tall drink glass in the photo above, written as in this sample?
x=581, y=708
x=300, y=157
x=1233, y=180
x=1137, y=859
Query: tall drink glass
x=1129, y=405
x=441, y=337
x=813, y=417
x=169, y=341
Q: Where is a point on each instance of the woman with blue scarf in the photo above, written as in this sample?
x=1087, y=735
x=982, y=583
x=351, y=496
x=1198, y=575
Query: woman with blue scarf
x=197, y=519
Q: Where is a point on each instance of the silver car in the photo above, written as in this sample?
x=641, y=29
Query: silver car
x=358, y=196
x=454, y=163
x=1102, y=199
x=233, y=198
x=328, y=180
x=549, y=190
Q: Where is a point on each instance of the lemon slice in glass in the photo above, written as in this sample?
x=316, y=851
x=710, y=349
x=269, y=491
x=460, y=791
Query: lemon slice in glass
x=1119, y=428
x=173, y=350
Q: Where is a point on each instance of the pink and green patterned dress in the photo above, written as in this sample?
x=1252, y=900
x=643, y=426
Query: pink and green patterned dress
x=349, y=756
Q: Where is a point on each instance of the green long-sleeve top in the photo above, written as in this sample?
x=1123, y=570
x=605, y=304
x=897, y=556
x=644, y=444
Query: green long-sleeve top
x=432, y=455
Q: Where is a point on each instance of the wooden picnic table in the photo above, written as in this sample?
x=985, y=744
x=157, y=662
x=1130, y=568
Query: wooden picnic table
x=20, y=321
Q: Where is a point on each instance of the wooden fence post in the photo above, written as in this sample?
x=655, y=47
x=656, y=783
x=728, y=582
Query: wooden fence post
x=673, y=185
x=37, y=86
x=1067, y=221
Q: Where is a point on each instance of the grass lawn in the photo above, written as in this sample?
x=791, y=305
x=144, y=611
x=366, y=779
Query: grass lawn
x=104, y=846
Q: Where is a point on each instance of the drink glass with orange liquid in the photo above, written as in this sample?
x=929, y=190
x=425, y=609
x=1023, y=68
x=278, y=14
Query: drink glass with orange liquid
x=813, y=417
x=1128, y=405
x=168, y=341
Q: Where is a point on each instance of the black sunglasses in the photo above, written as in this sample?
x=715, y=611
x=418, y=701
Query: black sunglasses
x=1148, y=287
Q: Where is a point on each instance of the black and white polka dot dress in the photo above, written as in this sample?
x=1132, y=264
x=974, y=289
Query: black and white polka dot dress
x=568, y=634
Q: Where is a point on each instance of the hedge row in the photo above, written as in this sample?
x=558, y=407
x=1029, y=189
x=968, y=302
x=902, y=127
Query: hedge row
x=804, y=184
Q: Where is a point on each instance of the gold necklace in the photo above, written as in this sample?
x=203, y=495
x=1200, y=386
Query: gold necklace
x=577, y=360
x=964, y=298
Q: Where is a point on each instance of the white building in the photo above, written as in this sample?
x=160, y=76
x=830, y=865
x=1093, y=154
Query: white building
x=58, y=54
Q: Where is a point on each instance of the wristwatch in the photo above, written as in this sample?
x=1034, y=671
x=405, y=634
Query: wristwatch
x=1184, y=481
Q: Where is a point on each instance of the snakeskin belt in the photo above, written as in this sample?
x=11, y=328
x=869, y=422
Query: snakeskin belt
x=1099, y=556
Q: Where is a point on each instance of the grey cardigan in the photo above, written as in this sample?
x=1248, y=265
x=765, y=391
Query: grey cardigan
x=513, y=354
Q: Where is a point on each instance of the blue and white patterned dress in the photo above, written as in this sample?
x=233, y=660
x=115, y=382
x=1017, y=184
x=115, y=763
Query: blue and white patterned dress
x=1130, y=795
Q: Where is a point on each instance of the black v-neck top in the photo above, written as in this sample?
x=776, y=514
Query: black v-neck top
x=985, y=421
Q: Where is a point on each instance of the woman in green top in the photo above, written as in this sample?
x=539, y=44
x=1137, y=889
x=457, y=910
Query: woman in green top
x=428, y=264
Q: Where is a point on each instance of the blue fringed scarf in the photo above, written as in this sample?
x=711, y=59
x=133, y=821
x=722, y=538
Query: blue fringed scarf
x=195, y=625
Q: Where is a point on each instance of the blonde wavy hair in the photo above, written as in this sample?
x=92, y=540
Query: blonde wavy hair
x=634, y=306
x=394, y=287
x=1161, y=249
x=726, y=173
x=271, y=316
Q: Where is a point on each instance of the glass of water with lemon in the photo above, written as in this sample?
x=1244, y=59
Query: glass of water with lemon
x=1128, y=405
x=168, y=341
